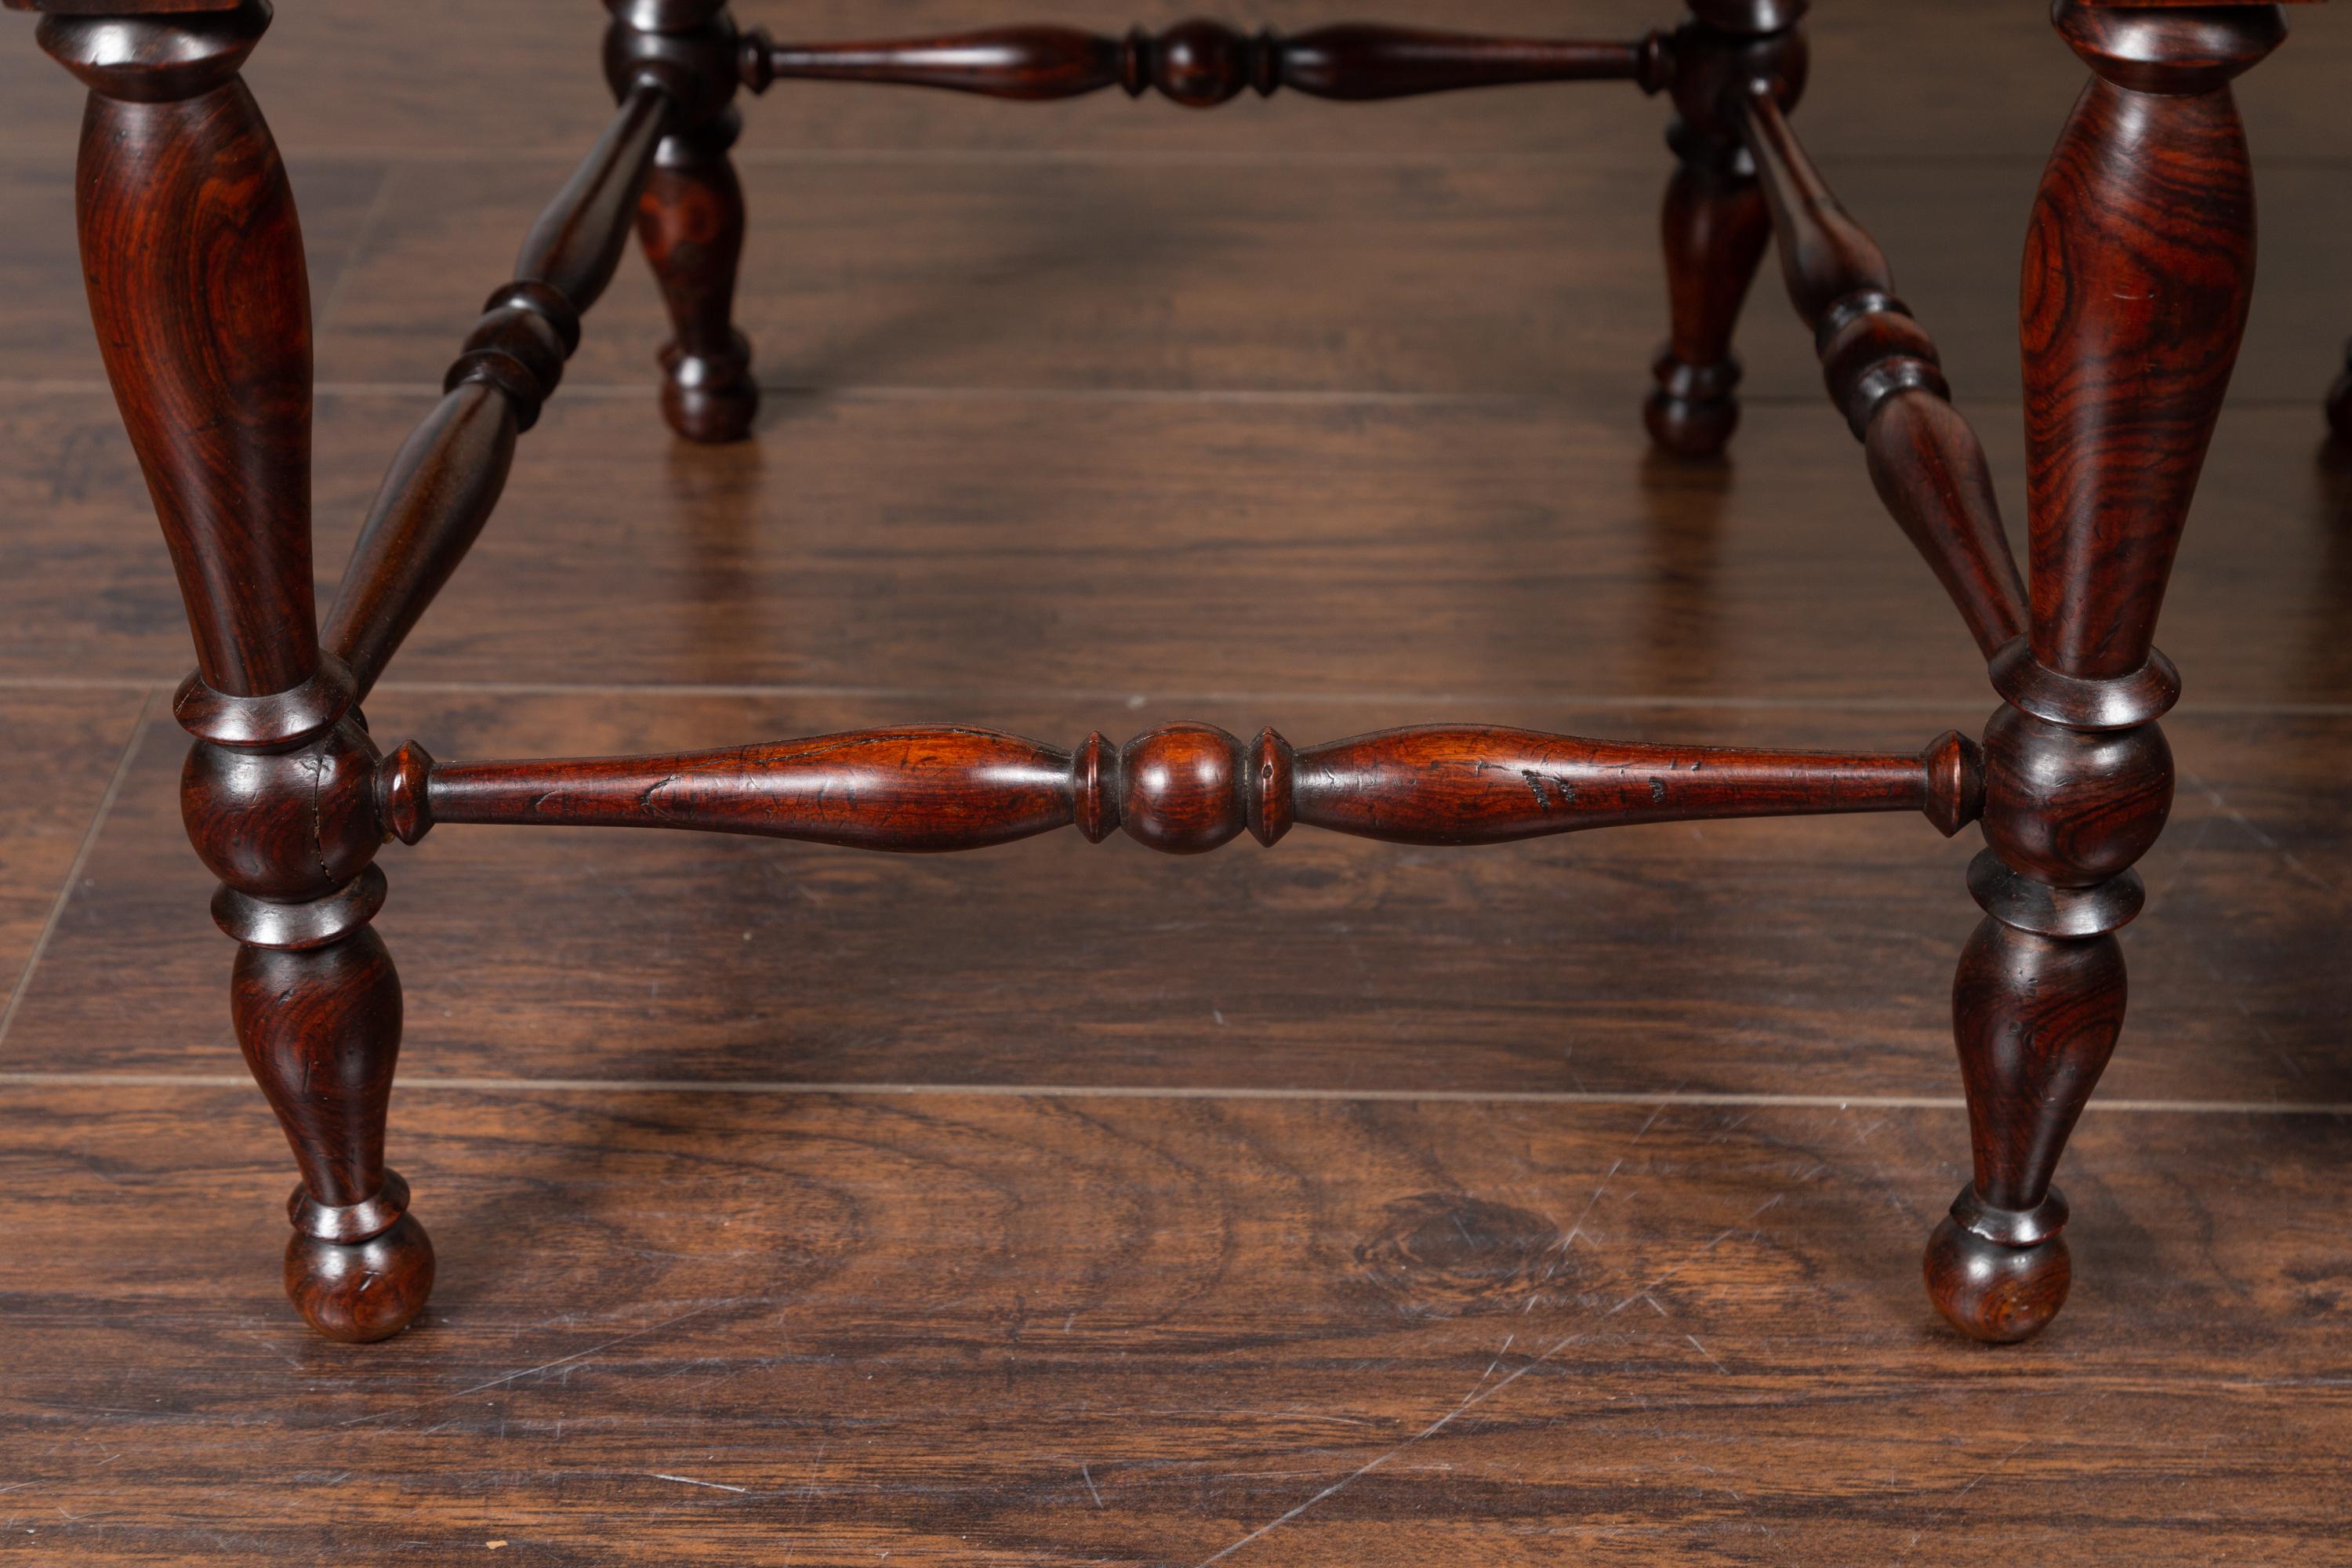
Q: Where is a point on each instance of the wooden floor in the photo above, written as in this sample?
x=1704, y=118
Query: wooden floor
x=1341, y=1205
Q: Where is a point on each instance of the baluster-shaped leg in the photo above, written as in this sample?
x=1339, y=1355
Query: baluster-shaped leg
x=2137, y=270
x=1717, y=222
x=193, y=258
x=690, y=217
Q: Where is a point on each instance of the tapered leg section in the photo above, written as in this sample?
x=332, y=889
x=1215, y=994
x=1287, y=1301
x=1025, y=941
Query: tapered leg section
x=2036, y=1018
x=2138, y=266
x=320, y=1030
x=1717, y=222
x=1715, y=228
x=691, y=221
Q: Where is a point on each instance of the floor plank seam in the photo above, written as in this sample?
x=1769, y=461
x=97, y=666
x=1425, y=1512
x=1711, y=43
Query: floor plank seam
x=80, y=860
x=1629, y=1099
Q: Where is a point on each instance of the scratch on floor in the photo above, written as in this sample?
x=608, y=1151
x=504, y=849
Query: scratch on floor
x=1576, y=1229
x=1086, y=1476
x=550, y=1366
x=1471, y=1401
x=691, y=1481
x=1709, y=1354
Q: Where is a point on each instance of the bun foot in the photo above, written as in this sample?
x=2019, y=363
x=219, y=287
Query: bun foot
x=1994, y=1294
x=1690, y=428
x=708, y=399
x=366, y=1291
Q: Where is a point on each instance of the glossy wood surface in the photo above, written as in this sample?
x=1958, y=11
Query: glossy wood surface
x=182, y=188
x=1203, y=63
x=1184, y=788
x=588, y=998
x=2140, y=257
x=446, y=478
x=1886, y=375
x=2149, y=190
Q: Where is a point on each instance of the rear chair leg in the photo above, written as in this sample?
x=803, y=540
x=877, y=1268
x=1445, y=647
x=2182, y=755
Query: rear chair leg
x=690, y=218
x=1715, y=223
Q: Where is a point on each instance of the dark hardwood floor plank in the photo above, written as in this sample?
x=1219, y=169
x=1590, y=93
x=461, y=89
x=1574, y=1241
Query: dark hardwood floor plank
x=1513, y=279
x=45, y=331
x=1806, y=957
x=65, y=749
x=1537, y=552
x=784, y=1329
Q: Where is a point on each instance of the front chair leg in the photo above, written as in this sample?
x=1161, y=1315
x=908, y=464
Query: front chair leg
x=320, y=1029
x=690, y=217
x=1717, y=222
x=2138, y=265
x=192, y=252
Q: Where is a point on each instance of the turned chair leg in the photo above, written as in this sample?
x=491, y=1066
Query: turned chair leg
x=691, y=223
x=2138, y=265
x=194, y=256
x=1717, y=222
x=690, y=216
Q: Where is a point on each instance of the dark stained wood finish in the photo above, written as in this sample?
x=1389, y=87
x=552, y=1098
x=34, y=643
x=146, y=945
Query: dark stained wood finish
x=1259, y=1298
x=285, y=799
x=2138, y=267
x=691, y=221
x=1184, y=788
x=2145, y=257
x=1715, y=228
x=182, y=193
x=1886, y=375
x=198, y=284
x=442, y=485
x=1204, y=64
x=320, y=1029
x=447, y=477
x=1716, y=222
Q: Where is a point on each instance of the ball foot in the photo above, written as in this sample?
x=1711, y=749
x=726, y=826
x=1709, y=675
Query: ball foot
x=366, y=1291
x=710, y=398
x=1689, y=429
x=1994, y=1294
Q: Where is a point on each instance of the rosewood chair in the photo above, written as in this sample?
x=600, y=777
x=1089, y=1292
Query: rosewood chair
x=2137, y=266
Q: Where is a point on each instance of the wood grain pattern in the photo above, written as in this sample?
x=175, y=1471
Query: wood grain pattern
x=2149, y=190
x=1489, y=1332
x=1184, y=788
x=181, y=196
x=2145, y=256
x=1411, y=1235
